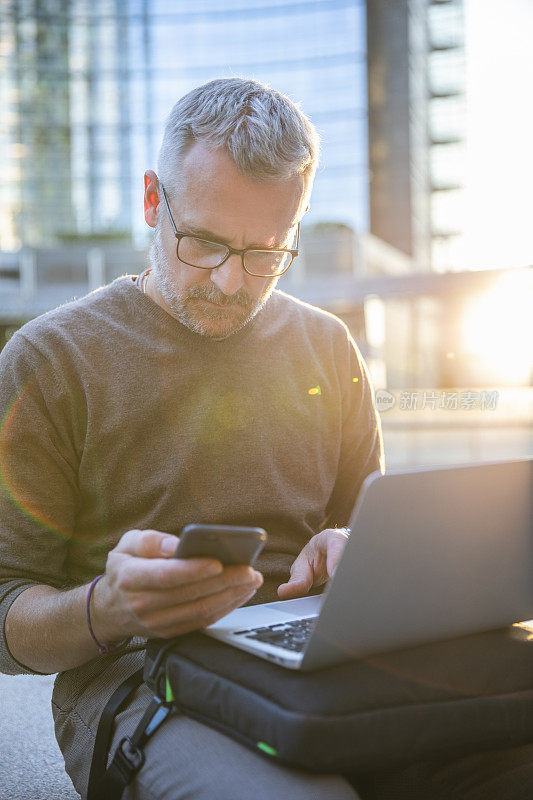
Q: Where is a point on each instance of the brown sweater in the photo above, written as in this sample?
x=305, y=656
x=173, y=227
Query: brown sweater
x=115, y=416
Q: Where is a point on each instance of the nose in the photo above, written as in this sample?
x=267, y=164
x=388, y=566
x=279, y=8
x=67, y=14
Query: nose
x=230, y=276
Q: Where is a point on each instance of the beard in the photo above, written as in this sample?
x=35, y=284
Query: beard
x=231, y=312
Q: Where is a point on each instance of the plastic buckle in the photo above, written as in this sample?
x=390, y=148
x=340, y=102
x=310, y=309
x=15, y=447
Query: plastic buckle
x=160, y=715
x=128, y=758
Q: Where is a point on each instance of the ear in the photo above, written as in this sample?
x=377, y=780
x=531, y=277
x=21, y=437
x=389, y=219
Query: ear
x=151, y=197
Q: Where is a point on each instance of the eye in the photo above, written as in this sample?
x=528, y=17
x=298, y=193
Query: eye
x=202, y=245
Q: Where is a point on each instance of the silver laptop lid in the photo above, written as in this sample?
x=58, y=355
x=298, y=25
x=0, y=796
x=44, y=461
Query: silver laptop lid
x=434, y=553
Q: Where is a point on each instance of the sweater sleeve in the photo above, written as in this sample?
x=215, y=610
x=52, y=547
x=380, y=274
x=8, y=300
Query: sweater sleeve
x=37, y=479
x=362, y=443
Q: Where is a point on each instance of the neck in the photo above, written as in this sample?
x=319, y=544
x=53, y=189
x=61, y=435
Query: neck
x=153, y=292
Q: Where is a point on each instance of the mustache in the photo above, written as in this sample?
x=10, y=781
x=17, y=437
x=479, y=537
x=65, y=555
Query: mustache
x=240, y=298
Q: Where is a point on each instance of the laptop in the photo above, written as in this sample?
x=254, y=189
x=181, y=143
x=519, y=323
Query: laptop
x=434, y=553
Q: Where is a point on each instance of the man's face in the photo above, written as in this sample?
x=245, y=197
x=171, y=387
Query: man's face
x=217, y=202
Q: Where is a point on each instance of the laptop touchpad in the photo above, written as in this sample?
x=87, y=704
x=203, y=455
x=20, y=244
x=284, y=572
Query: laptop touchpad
x=302, y=606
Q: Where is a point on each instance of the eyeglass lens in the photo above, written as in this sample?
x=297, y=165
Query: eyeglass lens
x=207, y=255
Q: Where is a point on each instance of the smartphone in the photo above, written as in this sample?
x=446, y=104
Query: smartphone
x=229, y=544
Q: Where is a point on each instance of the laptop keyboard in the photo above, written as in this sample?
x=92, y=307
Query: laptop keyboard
x=292, y=635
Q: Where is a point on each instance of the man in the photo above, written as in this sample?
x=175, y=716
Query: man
x=195, y=392
x=192, y=393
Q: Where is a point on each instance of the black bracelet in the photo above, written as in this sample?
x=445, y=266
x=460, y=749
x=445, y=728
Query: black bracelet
x=103, y=649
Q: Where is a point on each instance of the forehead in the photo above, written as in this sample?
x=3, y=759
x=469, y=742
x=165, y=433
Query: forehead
x=215, y=196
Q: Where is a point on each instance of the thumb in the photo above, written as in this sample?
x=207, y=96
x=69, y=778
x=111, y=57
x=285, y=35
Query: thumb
x=148, y=544
x=169, y=545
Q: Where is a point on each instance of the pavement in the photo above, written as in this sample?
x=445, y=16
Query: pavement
x=31, y=764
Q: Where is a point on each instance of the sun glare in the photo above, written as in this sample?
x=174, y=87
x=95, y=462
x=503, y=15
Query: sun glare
x=497, y=328
x=497, y=222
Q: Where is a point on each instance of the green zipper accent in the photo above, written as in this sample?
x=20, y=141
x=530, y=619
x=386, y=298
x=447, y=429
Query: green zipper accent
x=267, y=748
x=169, y=693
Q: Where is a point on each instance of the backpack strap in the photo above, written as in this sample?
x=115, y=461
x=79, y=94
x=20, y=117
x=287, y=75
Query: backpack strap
x=108, y=783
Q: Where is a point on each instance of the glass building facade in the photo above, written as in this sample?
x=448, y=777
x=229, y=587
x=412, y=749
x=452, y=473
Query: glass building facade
x=87, y=84
x=35, y=133
x=417, y=114
x=447, y=129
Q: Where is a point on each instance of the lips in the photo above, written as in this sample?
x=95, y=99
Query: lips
x=221, y=307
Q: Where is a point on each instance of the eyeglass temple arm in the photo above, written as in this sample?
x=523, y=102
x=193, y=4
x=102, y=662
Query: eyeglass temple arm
x=176, y=234
x=297, y=237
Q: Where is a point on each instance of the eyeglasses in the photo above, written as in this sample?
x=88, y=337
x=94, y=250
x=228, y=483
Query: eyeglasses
x=204, y=254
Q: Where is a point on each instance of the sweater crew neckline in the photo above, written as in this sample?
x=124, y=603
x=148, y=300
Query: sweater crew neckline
x=174, y=326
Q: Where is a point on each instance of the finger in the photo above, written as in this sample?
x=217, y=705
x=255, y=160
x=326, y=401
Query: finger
x=293, y=589
x=143, y=574
x=237, y=603
x=186, y=593
x=148, y=544
x=198, y=614
x=302, y=571
x=214, y=576
x=336, y=544
x=140, y=574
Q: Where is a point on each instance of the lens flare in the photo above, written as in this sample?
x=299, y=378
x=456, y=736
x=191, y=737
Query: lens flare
x=10, y=482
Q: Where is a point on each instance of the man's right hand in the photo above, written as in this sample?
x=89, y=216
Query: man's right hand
x=147, y=592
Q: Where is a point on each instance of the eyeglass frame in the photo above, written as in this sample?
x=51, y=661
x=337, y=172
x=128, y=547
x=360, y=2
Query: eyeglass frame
x=232, y=250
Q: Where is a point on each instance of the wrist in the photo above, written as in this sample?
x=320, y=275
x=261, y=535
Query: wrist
x=100, y=622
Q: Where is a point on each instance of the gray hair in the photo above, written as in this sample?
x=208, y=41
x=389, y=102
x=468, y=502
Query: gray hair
x=266, y=134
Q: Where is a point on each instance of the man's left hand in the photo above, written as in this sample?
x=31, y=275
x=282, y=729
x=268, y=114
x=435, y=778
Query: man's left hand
x=315, y=564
